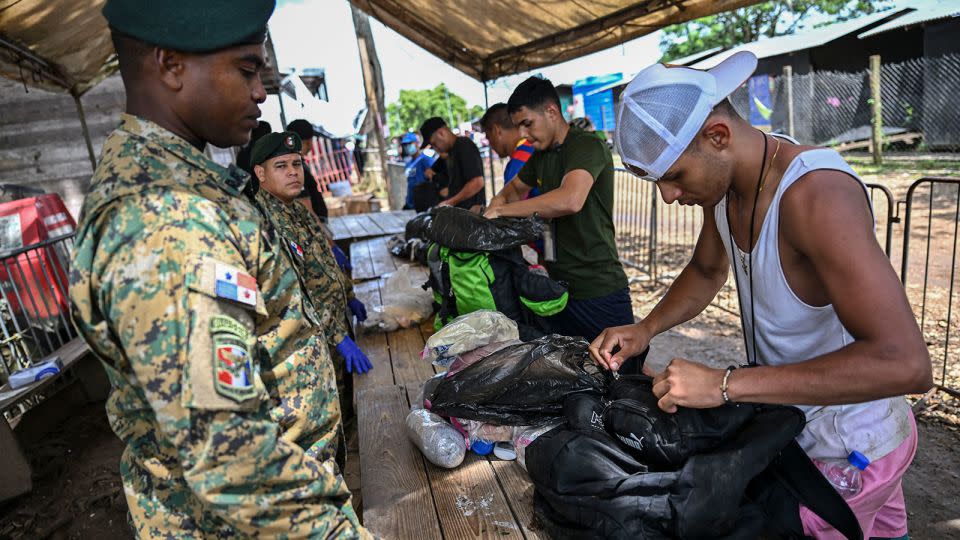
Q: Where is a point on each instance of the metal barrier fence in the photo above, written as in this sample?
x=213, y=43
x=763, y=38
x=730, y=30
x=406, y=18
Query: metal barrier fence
x=658, y=239
x=329, y=166
x=930, y=223
x=35, y=317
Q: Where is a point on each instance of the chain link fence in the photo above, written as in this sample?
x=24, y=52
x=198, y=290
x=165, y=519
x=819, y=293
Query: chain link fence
x=832, y=108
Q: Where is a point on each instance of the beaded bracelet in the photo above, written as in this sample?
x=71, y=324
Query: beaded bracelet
x=724, y=387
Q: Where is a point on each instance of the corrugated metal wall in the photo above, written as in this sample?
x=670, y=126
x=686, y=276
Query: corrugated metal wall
x=41, y=142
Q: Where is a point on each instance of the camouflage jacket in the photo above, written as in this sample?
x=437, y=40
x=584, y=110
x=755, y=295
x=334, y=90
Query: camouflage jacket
x=327, y=286
x=222, y=389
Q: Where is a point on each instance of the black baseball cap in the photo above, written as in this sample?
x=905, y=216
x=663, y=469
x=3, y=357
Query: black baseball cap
x=429, y=127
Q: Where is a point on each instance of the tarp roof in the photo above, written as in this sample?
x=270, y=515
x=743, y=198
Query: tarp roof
x=921, y=11
x=492, y=38
x=54, y=44
x=65, y=44
x=805, y=39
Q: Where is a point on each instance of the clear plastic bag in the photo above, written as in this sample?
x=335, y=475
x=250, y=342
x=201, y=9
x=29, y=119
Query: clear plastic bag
x=524, y=435
x=468, y=332
x=405, y=304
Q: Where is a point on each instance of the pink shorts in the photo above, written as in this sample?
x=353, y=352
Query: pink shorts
x=879, y=506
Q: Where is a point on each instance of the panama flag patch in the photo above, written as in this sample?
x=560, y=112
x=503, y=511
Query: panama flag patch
x=296, y=248
x=235, y=285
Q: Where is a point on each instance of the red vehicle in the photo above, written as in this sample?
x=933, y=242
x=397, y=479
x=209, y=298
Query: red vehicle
x=34, y=281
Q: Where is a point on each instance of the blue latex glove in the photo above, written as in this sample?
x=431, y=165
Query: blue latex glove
x=355, y=359
x=358, y=309
x=342, y=260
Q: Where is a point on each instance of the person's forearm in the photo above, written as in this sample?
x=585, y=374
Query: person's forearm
x=687, y=297
x=548, y=205
x=508, y=194
x=469, y=189
x=835, y=378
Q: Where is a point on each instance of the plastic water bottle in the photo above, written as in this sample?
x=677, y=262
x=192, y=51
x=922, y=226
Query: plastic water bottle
x=481, y=447
x=439, y=442
x=845, y=476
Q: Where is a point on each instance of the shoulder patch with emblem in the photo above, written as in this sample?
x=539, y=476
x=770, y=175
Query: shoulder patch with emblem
x=232, y=363
x=235, y=285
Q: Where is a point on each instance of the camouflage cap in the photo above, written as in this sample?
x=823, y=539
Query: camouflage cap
x=273, y=145
x=191, y=26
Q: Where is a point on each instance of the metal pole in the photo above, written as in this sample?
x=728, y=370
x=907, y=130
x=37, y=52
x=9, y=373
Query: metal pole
x=788, y=79
x=86, y=132
x=876, y=138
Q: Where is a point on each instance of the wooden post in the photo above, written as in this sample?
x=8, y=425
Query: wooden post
x=371, y=77
x=86, y=132
x=276, y=72
x=493, y=183
x=788, y=79
x=876, y=137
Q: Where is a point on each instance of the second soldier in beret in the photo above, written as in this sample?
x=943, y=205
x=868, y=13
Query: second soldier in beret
x=278, y=167
x=222, y=386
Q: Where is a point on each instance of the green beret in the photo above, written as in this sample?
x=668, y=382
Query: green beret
x=191, y=25
x=273, y=145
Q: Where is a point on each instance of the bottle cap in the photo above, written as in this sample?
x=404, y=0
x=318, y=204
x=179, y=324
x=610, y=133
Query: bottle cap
x=481, y=447
x=858, y=460
x=505, y=451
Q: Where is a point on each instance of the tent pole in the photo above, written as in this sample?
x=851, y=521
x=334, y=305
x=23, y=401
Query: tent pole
x=486, y=106
x=86, y=132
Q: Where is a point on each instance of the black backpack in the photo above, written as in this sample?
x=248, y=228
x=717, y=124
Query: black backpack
x=730, y=472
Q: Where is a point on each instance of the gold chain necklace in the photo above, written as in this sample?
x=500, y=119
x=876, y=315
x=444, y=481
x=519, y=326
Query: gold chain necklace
x=763, y=180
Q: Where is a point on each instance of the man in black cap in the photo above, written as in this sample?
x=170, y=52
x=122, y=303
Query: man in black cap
x=222, y=386
x=463, y=163
x=311, y=190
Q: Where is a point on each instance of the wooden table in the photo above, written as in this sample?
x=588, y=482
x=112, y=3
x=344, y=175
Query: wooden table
x=366, y=225
x=370, y=258
x=405, y=496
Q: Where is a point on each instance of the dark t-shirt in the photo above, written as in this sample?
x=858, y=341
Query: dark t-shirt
x=464, y=164
x=586, y=246
x=311, y=191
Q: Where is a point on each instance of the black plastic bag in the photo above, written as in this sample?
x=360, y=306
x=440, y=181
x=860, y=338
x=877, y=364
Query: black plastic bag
x=522, y=384
x=460, y=229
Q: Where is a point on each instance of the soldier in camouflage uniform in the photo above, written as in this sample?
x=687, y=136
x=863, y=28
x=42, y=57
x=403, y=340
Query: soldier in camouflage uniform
x=223, y=389
x=279, y=170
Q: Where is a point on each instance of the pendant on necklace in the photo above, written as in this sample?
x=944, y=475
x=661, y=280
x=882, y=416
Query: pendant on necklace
x=743, y=263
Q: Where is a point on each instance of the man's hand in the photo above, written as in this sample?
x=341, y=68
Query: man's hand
x=492, y=212
x=615, y=345
x=688, y=384
x=354, y=358
x=444, y=203
x=497, y=200
x=358, y=309
x=429, y=174
x=342, y=260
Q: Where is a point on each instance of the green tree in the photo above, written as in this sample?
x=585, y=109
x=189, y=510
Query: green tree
x=774, y=18
x=415, y=106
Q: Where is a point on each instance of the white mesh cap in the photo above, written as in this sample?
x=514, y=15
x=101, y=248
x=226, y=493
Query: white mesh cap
x=662, y=109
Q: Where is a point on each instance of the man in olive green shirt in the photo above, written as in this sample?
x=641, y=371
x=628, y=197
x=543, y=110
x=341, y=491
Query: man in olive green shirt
x=574, y=171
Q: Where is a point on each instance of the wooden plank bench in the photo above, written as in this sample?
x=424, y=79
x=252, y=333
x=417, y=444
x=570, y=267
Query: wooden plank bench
x=405, y=496
x=370, y=258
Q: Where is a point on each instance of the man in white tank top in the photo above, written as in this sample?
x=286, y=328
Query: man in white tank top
x=826, y=322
